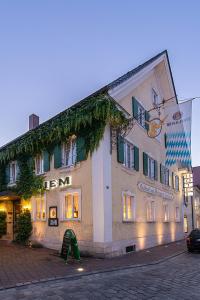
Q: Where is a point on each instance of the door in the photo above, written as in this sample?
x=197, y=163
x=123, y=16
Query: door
x=16, y=213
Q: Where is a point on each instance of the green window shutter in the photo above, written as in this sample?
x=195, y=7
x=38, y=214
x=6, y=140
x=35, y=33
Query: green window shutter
x=80, y=149
x=135, y=108
x=31, y=163
x=57, y=156
x=46, y=160
x=120, y=149
x=136, y=158
x=155, y=170
x=173, y=185
x=147, y=118
x=145, y=164
x=165, y=140
x=7, y=174
x=18, y=169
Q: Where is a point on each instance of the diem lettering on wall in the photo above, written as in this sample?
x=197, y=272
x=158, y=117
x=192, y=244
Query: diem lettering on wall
x=55, y=183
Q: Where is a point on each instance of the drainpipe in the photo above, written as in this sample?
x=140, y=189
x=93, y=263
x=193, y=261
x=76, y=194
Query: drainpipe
x=192, y=202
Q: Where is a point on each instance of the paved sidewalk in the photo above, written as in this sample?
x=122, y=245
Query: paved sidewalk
x=19, y=265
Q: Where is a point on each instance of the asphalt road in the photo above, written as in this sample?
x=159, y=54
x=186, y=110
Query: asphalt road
x=176, y=278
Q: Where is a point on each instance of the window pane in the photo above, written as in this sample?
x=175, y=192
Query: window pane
x=76, y=200
x=129, y=208
x=67, y=154
x=43, y=209
x=38, y=208
x=128, y=156
x=124, y=207
x=68, y=206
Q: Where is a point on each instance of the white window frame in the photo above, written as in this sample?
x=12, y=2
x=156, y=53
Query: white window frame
x=177, y=215
x=141, y=115
x=132, y=196
x=165, y=174
x=12, y=180
x=130, y=146
x=40, y=158
x=34, y=208
x=63, y=203
x=151, y=211
x=155, y=94
x=151, y=168
x=72, y=154
x=166, y=213
x=176, y=182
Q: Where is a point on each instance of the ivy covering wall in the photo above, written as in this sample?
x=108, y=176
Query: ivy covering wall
x=86, y=120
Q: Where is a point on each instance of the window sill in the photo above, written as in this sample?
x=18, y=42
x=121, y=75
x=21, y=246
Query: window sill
x=149, y=180
x=128, y=221
x=40, y=174
x=11, y=184
x=70, y=168
x=73, y=219
x=127, y=170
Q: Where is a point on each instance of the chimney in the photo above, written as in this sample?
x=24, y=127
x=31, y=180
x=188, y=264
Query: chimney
x=33, y=121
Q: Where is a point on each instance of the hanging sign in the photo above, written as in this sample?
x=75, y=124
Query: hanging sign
x=61, y=182
x=188, y=184
x=153, y=190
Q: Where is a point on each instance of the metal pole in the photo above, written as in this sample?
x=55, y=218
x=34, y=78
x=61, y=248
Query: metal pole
x=192, y=212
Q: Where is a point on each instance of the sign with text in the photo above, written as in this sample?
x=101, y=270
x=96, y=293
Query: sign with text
x=55, y=183
x=188, y=184
x=154, y=191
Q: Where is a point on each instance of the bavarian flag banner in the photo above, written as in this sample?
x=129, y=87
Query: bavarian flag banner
x=178, y=134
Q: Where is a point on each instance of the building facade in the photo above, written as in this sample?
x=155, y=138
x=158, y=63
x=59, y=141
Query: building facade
x=119, y=198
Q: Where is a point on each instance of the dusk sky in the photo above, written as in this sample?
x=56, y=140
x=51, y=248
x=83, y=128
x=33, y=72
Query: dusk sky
x=54, y=53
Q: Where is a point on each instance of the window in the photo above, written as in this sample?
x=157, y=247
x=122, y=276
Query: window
x=176, y=183
x=151, y=168
x=141, y=115
x=69, y=153
x=166, y=212
x=128, y=208
x=151, y=211
x=185, y=224
x=39, y=164
x=72, y=205
x=155, y=98
x=128, y=155
x=177, y=214
x=164, y=175
x=13, y=172
x=40, y=208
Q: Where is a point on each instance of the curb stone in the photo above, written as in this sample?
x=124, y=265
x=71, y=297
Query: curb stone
x=79, y=276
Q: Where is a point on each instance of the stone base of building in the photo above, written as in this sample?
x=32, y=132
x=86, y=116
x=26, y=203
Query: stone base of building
x=116, y=248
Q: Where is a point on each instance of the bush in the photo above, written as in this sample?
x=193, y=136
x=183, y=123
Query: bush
x=24, y=227
x=3, y=224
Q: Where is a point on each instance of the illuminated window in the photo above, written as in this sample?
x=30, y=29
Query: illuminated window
x=13, y=172
x=166, y=212
x=128, y=206
x=72, y=205
x=69, y=153
x=151, y=211
x=196, y=204
x=40, y=208
x=39, y=164
x=185, y=224
x=177, y=214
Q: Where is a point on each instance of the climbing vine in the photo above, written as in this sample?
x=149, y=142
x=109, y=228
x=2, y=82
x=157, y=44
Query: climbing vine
x=88, y=118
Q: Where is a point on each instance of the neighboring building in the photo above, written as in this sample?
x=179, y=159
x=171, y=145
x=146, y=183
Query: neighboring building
x=196, y=197
x=120, y=198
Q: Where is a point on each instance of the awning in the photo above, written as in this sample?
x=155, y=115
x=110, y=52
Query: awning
x=8, y=195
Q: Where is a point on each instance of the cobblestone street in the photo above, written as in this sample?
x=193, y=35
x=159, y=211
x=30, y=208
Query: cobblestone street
x=176, y=278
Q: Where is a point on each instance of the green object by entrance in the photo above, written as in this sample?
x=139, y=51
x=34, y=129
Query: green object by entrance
x=70, y=245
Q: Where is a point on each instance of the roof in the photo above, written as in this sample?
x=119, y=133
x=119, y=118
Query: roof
x=104, y=89
x=196, y=176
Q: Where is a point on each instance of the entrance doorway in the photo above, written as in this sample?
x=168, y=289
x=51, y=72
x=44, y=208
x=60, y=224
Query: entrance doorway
x=16, y=212
x=12, y=208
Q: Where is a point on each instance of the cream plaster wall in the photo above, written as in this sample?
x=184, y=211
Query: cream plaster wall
x=141, y=232
x=81, y=179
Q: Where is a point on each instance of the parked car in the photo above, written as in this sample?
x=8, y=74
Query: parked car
x=193, y=240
